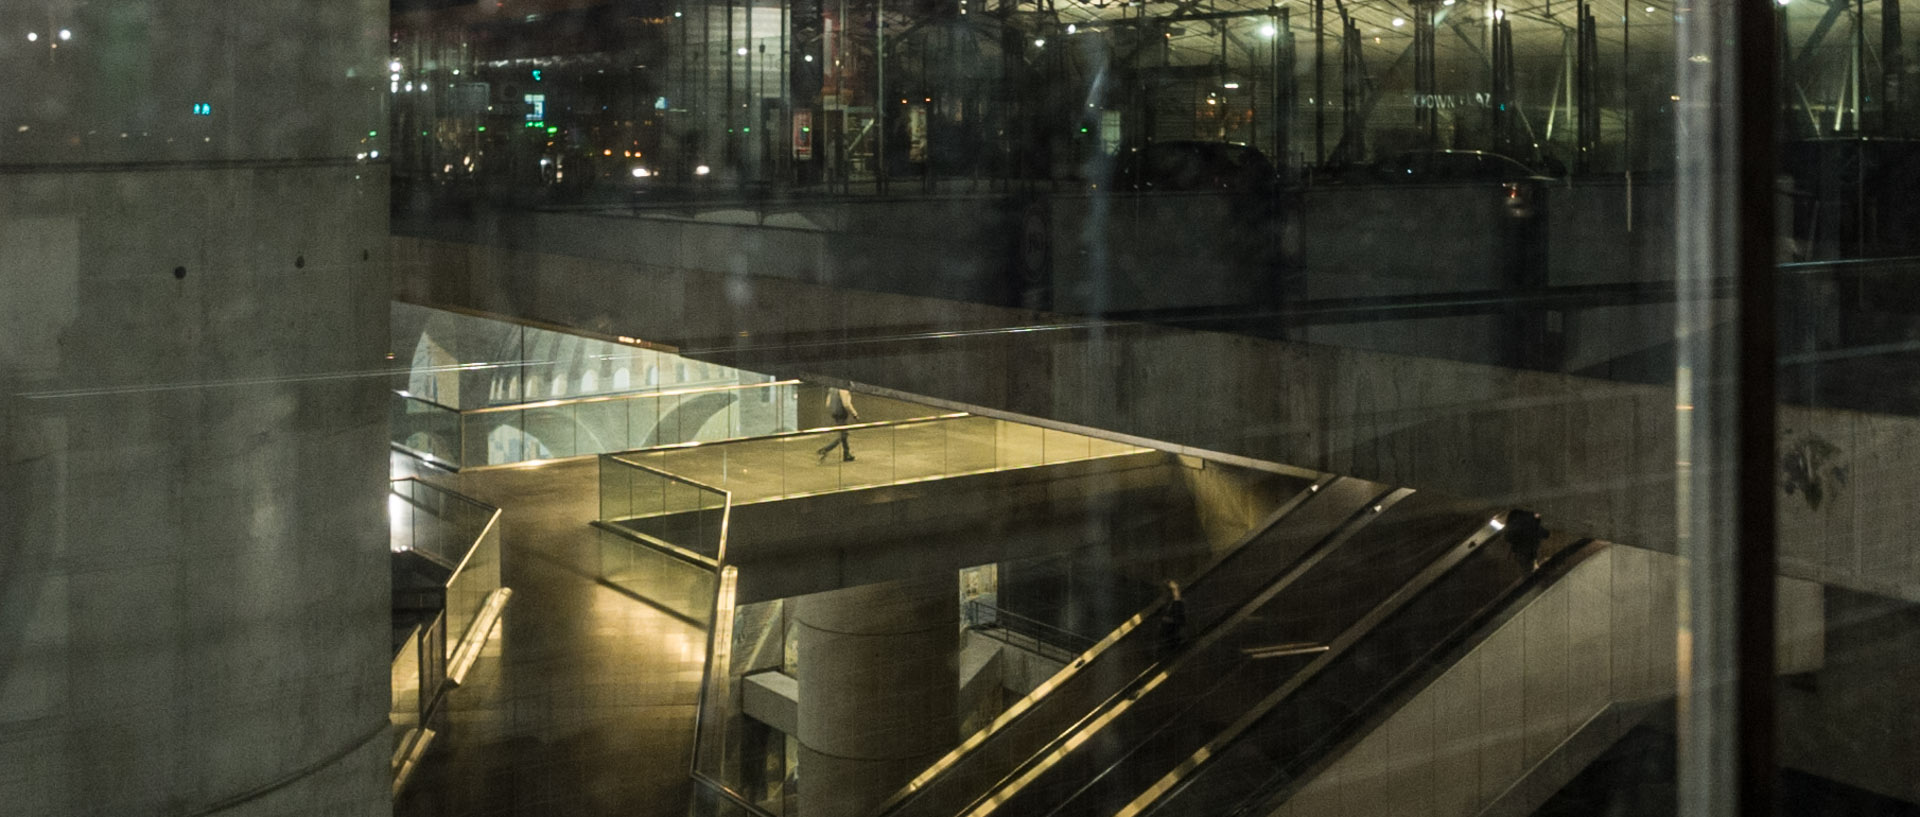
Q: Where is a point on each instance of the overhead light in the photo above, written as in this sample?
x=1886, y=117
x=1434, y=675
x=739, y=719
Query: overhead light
x=1268, y=31
x=1072, y=29
x=33, y=36
x=1040, y=42
x=1399, y=21
x=393, y=66
x=742, y=52
x=1231, y=86
x=68, y=35
x=702, y=170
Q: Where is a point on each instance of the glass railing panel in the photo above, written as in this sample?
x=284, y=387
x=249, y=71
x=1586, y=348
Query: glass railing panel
x=1017, y=445
x=1062, y=446
x=643, y=420
x=1097, y=447
x=405, y=681
x=681, y=587
x=805, y=466
x=549, y=432
x=493, y=438
x=617, y=486
x=470, y=586
x=664, y=508
x=717, y=739
x=602, y=426
x=426, y=427
x=725, y=754
x=971, y=444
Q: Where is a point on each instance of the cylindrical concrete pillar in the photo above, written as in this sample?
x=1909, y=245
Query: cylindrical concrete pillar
x=878, y=690
x=194, y=611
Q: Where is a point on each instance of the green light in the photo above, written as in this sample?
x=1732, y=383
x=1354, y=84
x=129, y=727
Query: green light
x=1083, y=130
x=423, y=133
x=805, y=129
x=553, y=130
x=746, y=130
x=483, y=129
x=372, y=133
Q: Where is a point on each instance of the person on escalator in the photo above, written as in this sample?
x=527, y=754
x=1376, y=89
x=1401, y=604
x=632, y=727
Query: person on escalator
x=1524, y=535
x=1173, y=621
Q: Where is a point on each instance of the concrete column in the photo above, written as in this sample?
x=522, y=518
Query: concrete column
x=879, y=687
x=193, y=301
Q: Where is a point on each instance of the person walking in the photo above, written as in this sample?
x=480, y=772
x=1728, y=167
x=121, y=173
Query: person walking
x=840, y=406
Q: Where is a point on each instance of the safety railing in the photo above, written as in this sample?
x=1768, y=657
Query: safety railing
x=664, y=511
x=1025, y=633
x=683, y=516
x=458, y=539
x=583, y=426
x=864, y=455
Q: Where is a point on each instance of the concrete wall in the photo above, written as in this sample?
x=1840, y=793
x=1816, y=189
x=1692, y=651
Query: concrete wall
x=1595, y=456
x=193, y=539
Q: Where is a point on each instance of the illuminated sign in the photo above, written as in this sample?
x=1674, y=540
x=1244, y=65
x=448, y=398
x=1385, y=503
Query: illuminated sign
x=202, y=109
x=536, y=107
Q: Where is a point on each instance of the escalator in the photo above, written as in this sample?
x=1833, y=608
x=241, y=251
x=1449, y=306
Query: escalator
x=1107, y=677
x=1301, y=637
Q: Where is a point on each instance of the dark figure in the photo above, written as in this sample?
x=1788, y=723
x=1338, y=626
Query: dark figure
x=1173, y=621
x=1524, y=535
x=840, y=405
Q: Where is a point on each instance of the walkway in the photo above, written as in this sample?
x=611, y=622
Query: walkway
x=583, y=703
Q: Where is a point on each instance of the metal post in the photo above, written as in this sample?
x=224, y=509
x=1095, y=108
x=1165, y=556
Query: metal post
x=1893, y=65
x=1319, y=81
x=880, y=98
x=732, y=156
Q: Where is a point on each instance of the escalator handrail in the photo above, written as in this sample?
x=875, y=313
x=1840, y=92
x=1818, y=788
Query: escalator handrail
x=1325, y=750
x=1154, y=675
x=1443, y=655
x=1026, y=705
x=1174, y=781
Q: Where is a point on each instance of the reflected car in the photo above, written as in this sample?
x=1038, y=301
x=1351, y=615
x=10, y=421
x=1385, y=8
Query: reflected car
x=668, y=181
x=1520, y=184
x=1191, y=165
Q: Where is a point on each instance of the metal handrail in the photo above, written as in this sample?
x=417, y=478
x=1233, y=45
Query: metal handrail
x=1186, y=771
x=1072, y=642
x=1552, y=568
x=493, y=519
x=595, y=398
x=621, y=458
x=1160, y=672
x=778, y=435
x=1026, y=704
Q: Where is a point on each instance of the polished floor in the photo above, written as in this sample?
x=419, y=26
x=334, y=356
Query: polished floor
x=583, y=702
